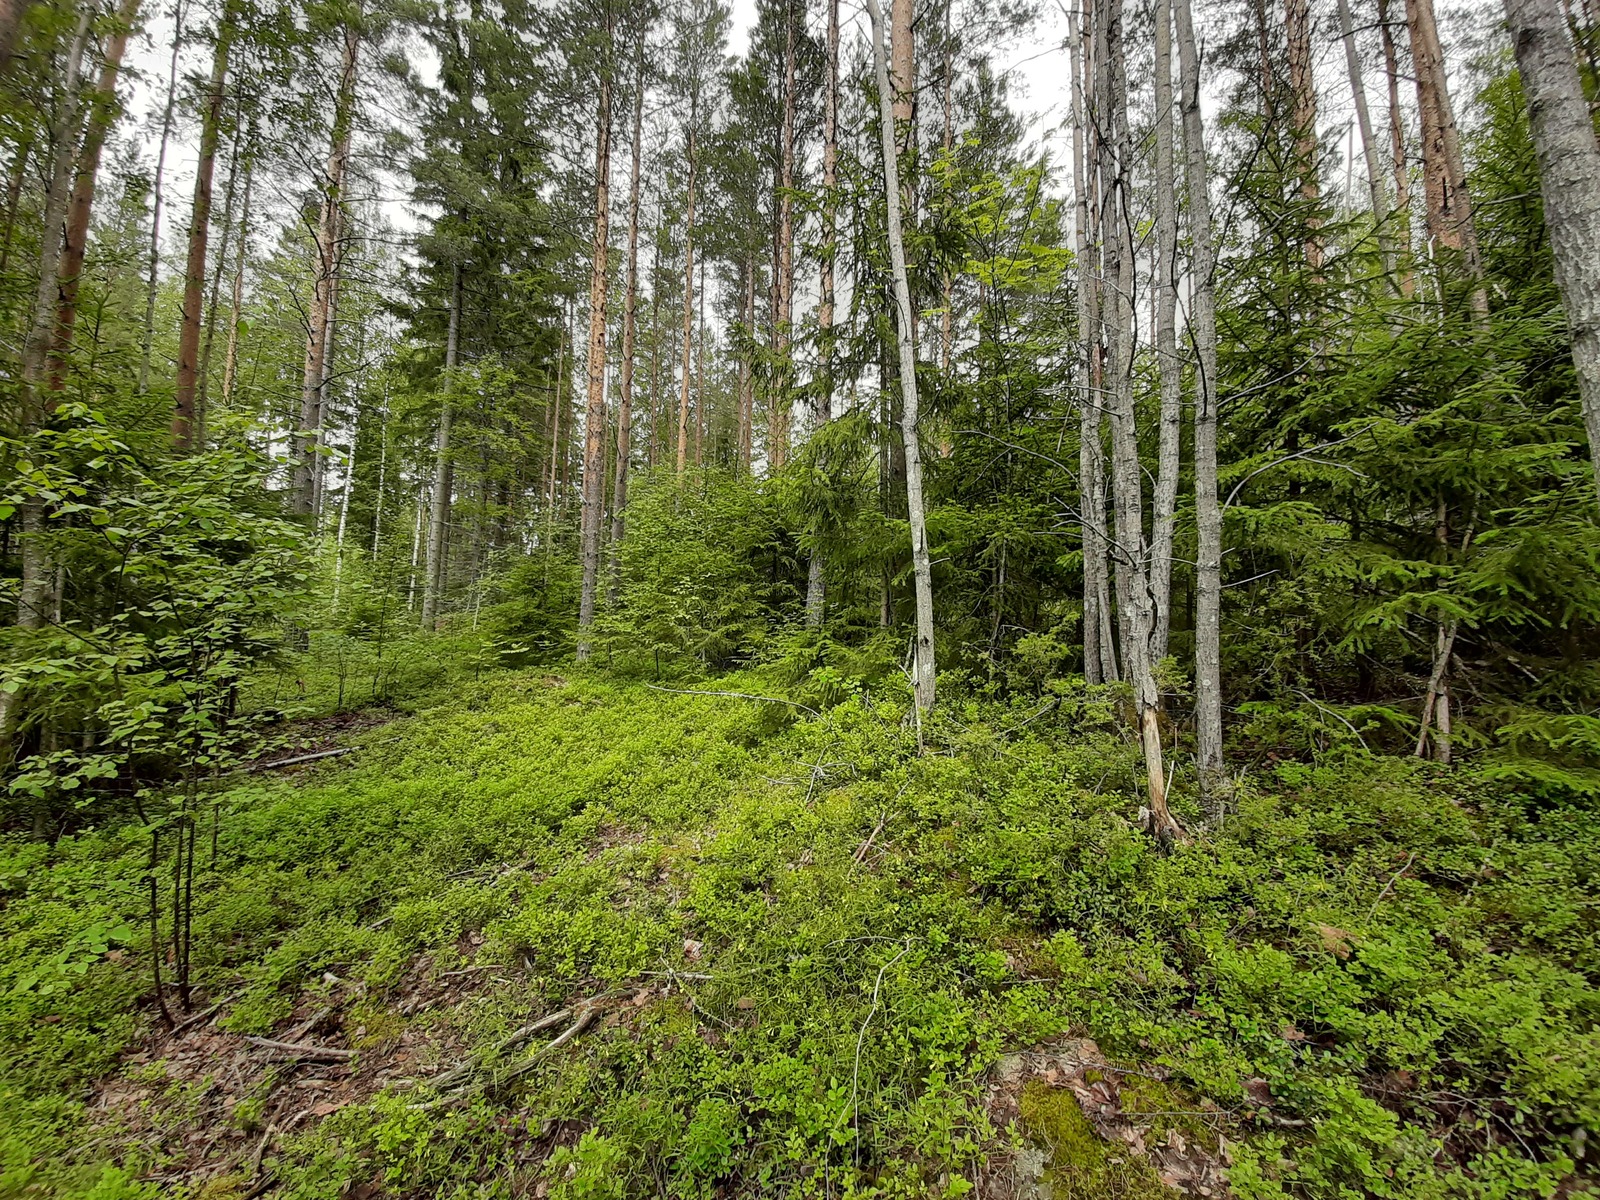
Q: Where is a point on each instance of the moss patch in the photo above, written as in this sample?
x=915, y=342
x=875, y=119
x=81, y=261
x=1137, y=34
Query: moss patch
x=1082, y=1165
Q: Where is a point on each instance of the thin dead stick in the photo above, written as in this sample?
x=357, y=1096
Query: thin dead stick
x=861, y=854
x=204, y=1016
x=317, y=1053
x=300, y=758
x=463, y=1071
x=855, y=1071
x=1410, y=858
x=582, y=1022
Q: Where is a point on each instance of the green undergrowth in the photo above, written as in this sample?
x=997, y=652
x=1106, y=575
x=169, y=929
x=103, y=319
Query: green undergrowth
x=814, y=941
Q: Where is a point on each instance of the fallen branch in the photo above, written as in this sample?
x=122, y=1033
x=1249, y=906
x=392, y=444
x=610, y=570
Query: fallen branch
x=204, y=1015
x=463, y=1071
x=298, y=759
x=460, y=1080
x=309, y=1053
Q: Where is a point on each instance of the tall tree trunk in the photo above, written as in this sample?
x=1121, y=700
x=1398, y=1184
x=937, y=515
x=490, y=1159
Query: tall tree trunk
x=184, y=416
x=230, y=369
x=700, y=420
x=19, y=171
x=1397, y=152
x=308, y=435
x=443, y=464
x=1211, y=767
x=33, y=596
x=1444, y=172
x=922, y=570
x=156, y=201
x=747, y=376
x=1170, y=367
x=947, y=315
x=594, y=433
x=103, y=111
x=816, y=583
x=782, y=333
x=1091, y=464
x=630, y=308
x=688, y=286
x=1303, y=89
x=1569, y=181
x=12, y=13
x=229, y=196
x=1134, y=599
x=1376, y=190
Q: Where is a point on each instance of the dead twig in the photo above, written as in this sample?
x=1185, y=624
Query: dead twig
x=860, y=855
x=1410, y=858
x=309, y=1053
x=298, y=759
x=457, y=1083
x=200, y=1017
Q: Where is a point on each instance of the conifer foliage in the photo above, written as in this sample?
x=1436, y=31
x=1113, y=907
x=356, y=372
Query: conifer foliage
x=1258, y=404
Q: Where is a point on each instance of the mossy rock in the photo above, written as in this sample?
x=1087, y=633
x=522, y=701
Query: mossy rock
x=1082, y=1165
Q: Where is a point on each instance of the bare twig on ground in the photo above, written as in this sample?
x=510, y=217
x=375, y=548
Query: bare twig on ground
x=309, y=1053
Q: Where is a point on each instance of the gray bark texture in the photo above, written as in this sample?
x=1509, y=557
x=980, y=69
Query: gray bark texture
x=1208, y=511
x=1369, y=145
x=1164, y=517
x=443, y=466
x=921, y=566
x=1569, y=180
x=34, y=593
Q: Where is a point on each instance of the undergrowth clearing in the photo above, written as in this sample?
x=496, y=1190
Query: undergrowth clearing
x=766, y=953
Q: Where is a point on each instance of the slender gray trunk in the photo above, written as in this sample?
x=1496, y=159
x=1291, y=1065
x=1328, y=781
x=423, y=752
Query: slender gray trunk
x=1135, y=599
x=155, y=212
x=230, y=369
x=922, y=570
x=34, y=593
x=1208, y=511
x=816, y=584
x=1098, y=641
x=443, y=464
x=1569, y=180
x=1170, y=367
x=1369, y=143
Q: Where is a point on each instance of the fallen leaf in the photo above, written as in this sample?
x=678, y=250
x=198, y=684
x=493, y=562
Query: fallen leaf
x=744, y=1003
x=1258, y=1090
x=326, y=1107
x=1335, y=941
x=692, y=949
x=1290, y=1034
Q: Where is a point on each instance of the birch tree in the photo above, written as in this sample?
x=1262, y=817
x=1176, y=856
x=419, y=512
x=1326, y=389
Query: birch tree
x=1135, y=598
x=1168, y=366
x=1208, y=512
x=1099, y=639
x=816, y=597
x=923, y=678
x=1569, y=181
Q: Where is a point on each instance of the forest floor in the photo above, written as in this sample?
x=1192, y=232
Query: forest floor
x=577, y=938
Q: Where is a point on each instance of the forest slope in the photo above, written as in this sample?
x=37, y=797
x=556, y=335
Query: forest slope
x=790, y=955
